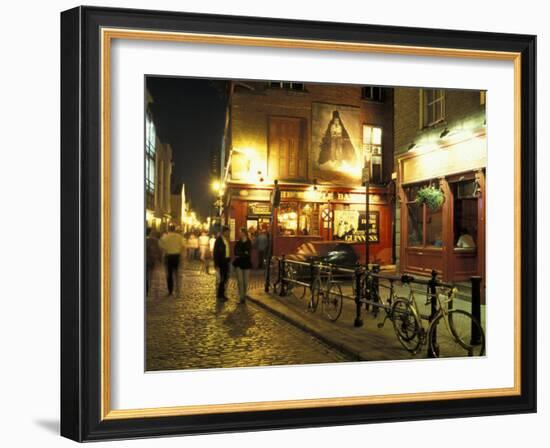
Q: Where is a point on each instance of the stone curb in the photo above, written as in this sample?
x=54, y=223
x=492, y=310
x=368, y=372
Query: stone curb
x=294, y=319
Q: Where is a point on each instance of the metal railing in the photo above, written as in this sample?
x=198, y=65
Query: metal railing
x=365, y=284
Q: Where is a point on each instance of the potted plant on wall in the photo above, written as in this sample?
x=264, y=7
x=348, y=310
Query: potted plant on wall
x=431, y=196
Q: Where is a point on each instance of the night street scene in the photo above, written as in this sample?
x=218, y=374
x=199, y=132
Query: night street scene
x=304, y=223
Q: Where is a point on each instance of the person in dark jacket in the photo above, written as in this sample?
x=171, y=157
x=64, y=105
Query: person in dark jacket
x=222, y=256
x=243, y=263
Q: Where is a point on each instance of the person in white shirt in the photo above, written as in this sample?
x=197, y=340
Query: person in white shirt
x=172, y=244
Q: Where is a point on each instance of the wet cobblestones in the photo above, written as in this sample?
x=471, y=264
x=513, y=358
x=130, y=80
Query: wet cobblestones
x=194, y=331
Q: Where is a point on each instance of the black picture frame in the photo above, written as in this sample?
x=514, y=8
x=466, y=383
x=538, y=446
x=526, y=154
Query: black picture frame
x=81, y=224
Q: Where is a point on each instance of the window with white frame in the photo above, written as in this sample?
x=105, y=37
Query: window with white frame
x=150, y=153
x=433, y=106
x=372, y=146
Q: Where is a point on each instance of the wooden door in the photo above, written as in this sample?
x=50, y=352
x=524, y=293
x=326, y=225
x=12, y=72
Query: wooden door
x=287, y=160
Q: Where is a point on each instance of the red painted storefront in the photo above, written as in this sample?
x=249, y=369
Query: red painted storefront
x=249, y=206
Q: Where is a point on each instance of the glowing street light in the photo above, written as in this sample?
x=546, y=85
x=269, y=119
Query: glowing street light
x=216, y=186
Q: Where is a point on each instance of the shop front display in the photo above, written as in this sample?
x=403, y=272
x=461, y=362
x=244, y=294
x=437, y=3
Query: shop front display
x=443, y=221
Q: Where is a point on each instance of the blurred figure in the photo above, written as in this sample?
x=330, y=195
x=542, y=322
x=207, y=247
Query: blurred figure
x=243, y=263
x=222, y=256
x=203, y=250
x=262, y=244
x=172, y=244
x=192, y=246
x=153, y=256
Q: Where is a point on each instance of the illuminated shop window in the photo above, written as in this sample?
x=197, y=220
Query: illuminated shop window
x=433, y=106
x=298, y=219
x=424, y=226
x=309, y=219
x=372, y=145
x=288, y=219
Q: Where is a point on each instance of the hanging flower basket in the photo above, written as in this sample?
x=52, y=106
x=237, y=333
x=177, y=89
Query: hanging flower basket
x=431, y=196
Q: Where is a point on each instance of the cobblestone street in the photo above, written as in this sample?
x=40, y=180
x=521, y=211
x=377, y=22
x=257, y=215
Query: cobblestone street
x=194, y=331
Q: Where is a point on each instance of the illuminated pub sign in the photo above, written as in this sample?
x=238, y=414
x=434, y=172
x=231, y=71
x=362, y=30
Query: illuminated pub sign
x=259, y=208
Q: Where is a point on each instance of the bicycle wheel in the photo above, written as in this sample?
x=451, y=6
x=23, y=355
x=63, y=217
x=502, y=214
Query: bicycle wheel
x=316, y=294
x=406, y=324
x=289, y=274
x=332, y=302
x=462, y=336
x=299, y=291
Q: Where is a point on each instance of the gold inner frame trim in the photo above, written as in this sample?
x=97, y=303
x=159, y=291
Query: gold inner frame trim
x=107, y=35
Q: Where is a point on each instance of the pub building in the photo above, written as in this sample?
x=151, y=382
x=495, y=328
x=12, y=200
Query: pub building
x=313, y=139
x=440, y=142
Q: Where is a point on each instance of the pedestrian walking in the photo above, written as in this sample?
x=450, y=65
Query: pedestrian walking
x=222, y=256
x=192, y=246
x=153, y=257
x=243, y=263
x=203, y=250
x=262, y=244
x=172, y=244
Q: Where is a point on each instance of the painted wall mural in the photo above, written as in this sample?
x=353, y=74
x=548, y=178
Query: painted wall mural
x=336, y=144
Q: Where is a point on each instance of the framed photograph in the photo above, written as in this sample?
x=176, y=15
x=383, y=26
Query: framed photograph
x=274, y=224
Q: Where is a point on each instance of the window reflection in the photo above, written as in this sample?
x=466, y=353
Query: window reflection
x=415, y=224
x=465, y=214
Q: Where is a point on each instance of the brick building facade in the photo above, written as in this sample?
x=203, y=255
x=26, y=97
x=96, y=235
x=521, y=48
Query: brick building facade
x=312, y=139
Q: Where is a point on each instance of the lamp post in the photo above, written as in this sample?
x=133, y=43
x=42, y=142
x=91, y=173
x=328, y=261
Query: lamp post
x=218, y=203
x=275, y=202
x=366, y=181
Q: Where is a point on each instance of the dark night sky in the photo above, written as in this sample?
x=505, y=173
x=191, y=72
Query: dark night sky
x=190, y=114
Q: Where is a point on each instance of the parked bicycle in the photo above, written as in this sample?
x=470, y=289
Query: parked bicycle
x=288, y=280
x=370, y=293
x=328, y=292
x=450, y=333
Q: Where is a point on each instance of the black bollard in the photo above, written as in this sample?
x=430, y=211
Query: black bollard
x=432, y=290
x=267, y=274
x=282, y=276
x=357, y=279
x=476, y=309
